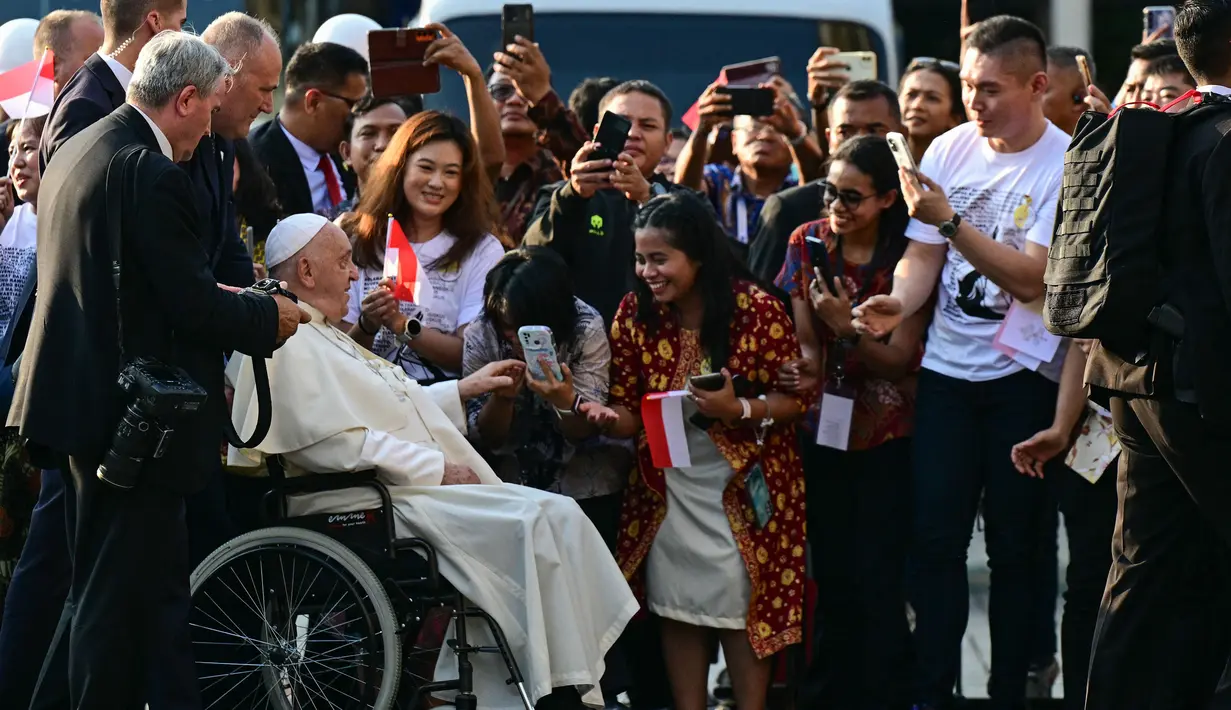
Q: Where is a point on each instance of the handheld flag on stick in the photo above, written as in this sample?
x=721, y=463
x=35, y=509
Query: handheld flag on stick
x=402, y=265
x=29, y=90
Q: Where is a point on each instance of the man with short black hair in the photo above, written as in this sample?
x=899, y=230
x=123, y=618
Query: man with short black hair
x=589, y=218
x=1065, y=100
x=98, y=89
x=983, y=226
x=72, y=36
x=860, y=108
x=1167, y=79
x=1164, y=630
x=586, y=97
x=1142, y=55
x=299, y=148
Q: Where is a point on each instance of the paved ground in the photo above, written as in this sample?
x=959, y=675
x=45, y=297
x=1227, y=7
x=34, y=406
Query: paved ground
x=976, y=647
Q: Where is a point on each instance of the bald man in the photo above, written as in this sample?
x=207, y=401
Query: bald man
x=507, y=548
x=72, y=36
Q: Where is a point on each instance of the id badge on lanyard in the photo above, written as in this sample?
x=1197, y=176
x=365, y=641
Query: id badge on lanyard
x=833, y=426
x=756, y=490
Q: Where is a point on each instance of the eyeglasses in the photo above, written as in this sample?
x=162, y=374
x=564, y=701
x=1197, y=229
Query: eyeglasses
x=931, y=63
x=502, y=91
x=350, y=103
x=850, y=199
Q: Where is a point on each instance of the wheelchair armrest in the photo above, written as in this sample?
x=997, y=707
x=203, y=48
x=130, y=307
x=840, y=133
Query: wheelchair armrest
x=318, y=482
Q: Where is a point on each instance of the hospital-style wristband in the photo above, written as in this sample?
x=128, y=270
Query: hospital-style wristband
x=746, y=407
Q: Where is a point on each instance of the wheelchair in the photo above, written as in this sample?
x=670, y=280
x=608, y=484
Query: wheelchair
x=331, y=611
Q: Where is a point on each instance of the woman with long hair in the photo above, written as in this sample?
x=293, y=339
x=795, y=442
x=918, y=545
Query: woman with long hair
x=859, y=485
x=430, y=183
x=717, y=542
x=930, y=97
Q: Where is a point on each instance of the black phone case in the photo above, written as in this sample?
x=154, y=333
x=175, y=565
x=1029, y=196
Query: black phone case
x=818, y=253
x=750, y=101
x=516, y=20
x=742, y=387
x=612, y=135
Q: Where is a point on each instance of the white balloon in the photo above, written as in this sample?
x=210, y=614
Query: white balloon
x=347, y=29
x=17, y=43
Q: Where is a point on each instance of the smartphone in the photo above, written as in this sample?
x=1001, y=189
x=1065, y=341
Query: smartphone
x=1083, y=65
x=818, y=254
x=516, y=20
x=709, y=383
x=250, y=243
x=396, y=60
x=1155, y=16
x=753, y=73
x=611, y=136
x=860, y=65
x=746, y=101
x=537, y=344
x=902, y=155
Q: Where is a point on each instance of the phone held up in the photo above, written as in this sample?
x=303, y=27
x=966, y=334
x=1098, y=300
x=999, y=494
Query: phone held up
x=749, y=101
x=396, y=60
x=860, y=66
x=1155, y=17
x=902, y=155
x=516, y=21
x=611, y=136
x=818, y=254
x=539, y=346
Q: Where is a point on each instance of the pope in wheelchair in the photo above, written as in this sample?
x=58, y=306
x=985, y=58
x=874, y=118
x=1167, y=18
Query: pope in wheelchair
x=529, y=560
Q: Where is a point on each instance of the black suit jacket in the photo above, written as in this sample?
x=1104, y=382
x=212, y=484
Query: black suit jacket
x=212, y=168
x=276, y=153
x=90, y=95
x=66, y=398
x=782, y=215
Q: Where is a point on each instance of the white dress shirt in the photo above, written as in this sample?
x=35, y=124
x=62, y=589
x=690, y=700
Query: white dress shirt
x=1214, y=89
x=121, y=72
x=163, y=143
x=311, y=161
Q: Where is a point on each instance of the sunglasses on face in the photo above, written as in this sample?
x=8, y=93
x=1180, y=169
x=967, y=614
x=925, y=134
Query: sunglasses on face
x=850, y=199
x=350, y=103
x=502, y=92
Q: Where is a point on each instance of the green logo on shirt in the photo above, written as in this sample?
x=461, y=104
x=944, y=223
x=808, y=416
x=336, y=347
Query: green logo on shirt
x=596, y=225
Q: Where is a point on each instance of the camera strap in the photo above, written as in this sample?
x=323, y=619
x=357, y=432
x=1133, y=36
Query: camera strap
x=264, y=409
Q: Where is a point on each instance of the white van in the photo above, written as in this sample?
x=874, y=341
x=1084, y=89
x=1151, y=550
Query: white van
x=679, y=45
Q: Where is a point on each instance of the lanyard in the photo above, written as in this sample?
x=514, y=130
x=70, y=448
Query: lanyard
x=837, y=365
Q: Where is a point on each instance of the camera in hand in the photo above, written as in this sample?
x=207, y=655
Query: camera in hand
x=161, y=396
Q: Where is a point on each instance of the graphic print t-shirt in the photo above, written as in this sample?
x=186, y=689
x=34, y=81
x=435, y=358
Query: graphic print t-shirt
x=17, y=243
x=1010, y=197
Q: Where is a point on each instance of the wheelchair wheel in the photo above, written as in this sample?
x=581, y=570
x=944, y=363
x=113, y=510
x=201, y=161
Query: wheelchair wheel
x=290, y=619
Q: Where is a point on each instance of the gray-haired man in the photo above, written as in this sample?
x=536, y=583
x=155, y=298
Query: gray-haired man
x=129, y=597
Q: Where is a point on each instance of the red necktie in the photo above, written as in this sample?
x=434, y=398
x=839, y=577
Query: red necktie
x=331, y=181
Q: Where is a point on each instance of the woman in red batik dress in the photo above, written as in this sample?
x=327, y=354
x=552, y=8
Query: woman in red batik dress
x=718, y=544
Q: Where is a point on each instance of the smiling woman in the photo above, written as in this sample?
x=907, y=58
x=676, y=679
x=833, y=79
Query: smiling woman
x=428, y=183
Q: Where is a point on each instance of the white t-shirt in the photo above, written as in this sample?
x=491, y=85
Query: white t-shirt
x=456, y=299
x=17, y=256
x=1010, y=197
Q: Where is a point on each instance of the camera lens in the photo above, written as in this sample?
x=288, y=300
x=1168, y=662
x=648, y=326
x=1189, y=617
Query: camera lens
x=132, y=443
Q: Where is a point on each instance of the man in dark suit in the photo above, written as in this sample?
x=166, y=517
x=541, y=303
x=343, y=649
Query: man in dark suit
x=127, y=634
x=1164, y=628
x=299, y=147
x=860, y=108
x=98, y=87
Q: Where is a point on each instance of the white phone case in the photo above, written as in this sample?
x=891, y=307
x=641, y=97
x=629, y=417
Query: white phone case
x=862, y=64
x=537, y=343
x=902, y=155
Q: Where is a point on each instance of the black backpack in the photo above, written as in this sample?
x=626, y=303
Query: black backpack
x=1104, y=280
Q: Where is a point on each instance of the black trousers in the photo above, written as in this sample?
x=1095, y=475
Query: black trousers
x=1089, y=519
x=124, y=630
x=1164, y=628
x=859, y=530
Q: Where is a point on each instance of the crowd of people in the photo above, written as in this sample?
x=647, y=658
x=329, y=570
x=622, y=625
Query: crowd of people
x=881, y=380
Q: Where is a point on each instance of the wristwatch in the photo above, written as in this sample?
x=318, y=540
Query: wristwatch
x=412, y=330
x=948, y=229
x=571, y=411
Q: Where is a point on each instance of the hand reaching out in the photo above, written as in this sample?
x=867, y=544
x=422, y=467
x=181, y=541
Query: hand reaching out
x=491, y=377
x=1030, y=456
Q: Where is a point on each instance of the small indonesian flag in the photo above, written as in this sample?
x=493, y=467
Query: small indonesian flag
x=662, y=414
x=402, y=265
x=29, y=90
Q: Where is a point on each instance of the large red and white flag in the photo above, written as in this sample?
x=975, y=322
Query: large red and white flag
x=402, y=265
x=662, y=415
x=29, y=90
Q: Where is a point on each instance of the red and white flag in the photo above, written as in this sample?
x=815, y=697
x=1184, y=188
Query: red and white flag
x=29, y=90
x=662, y=415
x=402, y=265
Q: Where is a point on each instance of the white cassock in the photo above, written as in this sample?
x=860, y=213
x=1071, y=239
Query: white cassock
x=529, y=558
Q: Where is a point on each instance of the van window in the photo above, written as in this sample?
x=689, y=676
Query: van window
x=681, y=54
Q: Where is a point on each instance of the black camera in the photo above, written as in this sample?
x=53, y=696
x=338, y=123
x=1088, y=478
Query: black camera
x=161, y=396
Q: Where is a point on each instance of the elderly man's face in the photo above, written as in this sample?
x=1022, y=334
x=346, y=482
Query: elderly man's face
x=252, y=92
x=87, y=37
x=324, y=273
